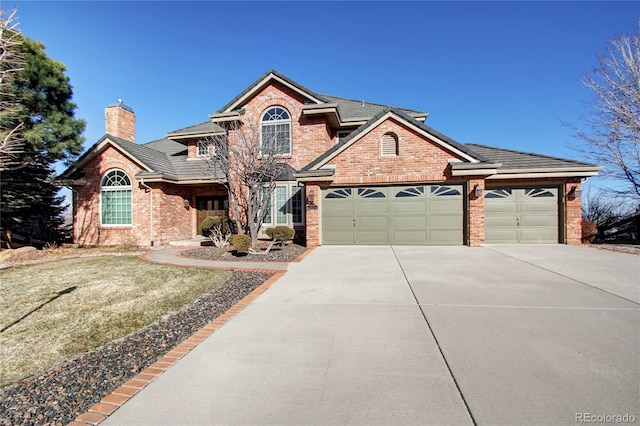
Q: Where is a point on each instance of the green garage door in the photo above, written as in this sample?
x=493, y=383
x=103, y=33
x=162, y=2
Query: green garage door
x=407, y=215
x=521, y=215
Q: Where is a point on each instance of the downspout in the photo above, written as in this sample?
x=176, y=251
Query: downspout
x=153, y=233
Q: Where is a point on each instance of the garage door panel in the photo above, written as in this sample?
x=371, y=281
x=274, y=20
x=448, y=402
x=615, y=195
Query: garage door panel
x=445, y=205
x=538, y=236
x=372, y=237
x=372, y=221
x=501, y=235
x=409, y=221
x=539, y=220
x=409, y=206
x=533, y=207
x=338, y=221
x=449, y=221
x=500, y=220
x=371, y=206
x=500, y=206
x=409, y=237
x=334, y=207
x=339, y=236
x=445, y=237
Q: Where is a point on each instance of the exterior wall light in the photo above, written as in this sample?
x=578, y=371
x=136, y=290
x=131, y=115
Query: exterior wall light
x=574, y=192
x=185, y=203
x=477, y=191
x=311, y=196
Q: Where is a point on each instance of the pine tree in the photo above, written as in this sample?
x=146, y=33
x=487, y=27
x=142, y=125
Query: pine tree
x=29, y=201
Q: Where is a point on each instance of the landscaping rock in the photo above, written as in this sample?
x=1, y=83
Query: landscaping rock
x=20, y=254
x=60, y=394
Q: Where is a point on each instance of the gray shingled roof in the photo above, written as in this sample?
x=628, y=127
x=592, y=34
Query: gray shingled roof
x=351, y=108
x=152, y=158
x=205, y=127
x=523, y=160
x=276, y=73
x=406, y=117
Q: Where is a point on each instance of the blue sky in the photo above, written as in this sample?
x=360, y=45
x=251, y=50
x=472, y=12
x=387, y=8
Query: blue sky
x=504, y=74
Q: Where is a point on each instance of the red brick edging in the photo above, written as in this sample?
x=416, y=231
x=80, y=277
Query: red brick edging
x=110, y=403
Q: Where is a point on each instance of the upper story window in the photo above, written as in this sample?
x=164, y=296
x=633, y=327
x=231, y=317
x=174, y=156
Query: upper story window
x=205, y=149
x=276, y=131
x=389, y=145
x=342, y=135
x=115, y=198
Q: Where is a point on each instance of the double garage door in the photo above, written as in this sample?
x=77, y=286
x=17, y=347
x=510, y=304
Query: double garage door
x=407, y=215
x=433, y=215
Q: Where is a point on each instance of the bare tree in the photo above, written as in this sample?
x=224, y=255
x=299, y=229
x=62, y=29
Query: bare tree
x=249, y=170
x=604, y=210
x=11, y=61
x=613, y=122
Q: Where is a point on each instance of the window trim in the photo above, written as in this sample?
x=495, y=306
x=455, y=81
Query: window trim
x=113, y=189
x=202, y=143
x=275, y=123
x=290, y=191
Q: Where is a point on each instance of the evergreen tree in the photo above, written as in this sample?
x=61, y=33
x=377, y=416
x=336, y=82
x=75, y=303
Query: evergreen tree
x=29, y=201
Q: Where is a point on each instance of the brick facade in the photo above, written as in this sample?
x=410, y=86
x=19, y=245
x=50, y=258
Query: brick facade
x=166, y=211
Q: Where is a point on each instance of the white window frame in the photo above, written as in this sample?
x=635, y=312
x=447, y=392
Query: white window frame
x=113, y=189
x=290, y=190
x=264, y=123
x=204, y=144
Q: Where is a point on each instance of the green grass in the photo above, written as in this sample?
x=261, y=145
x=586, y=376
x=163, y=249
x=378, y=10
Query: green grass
x=113, y=296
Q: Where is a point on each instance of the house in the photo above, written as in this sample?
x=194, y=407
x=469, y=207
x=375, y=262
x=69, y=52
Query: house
x=361, y=173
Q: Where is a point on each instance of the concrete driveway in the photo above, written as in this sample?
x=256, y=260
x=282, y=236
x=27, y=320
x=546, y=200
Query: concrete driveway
x=418, y=335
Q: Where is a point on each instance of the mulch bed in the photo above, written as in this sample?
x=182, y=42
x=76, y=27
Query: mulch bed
x=287, y=253
x=57, y=396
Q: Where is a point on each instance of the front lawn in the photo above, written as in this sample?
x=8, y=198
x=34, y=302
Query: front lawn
x=52, y=311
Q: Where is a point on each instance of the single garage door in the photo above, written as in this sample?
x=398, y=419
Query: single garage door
x=521, y=215
x=407, y=215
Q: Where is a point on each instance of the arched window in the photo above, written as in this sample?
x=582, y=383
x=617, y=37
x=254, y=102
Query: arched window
x=276, y=131
x=389, y=145
x=115, y=198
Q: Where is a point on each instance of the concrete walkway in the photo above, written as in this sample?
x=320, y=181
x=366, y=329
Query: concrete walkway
x=418, y=335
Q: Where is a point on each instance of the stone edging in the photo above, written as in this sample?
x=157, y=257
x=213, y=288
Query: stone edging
x=110, y=403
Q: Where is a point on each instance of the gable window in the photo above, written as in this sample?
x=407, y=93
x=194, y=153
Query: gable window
x=389, y=145
x=205, y=149
x=276, y=131
x=342, y=135
x=115, y=198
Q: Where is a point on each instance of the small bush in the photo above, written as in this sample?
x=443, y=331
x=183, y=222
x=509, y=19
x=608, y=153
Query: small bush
x=241, y=242
x=207, y=224
x=281, y=233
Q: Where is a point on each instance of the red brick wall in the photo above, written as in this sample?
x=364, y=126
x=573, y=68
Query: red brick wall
x=418, y=160
x=475, y=224
x=171, y=219
x=309, y=135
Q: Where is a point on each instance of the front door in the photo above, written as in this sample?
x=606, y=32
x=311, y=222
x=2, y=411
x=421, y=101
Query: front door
x=212, y=206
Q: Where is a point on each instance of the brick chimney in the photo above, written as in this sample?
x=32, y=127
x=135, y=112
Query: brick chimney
x=120, y=121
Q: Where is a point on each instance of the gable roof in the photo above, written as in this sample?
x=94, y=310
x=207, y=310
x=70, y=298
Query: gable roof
x=435, y=136
x=351, y=109
x=262, y=81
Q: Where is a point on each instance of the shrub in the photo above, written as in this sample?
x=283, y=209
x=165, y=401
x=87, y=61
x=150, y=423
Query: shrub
x=241, y=242
x=207, y=224
x=281, y=233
